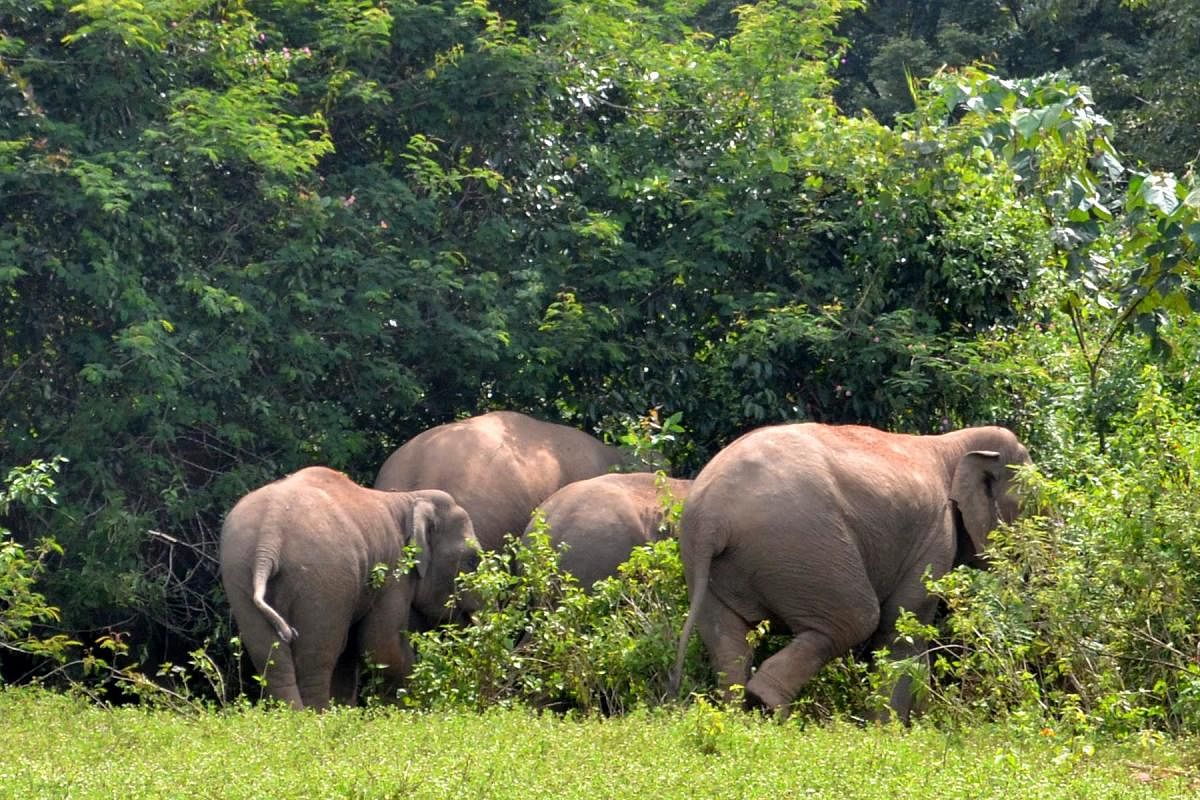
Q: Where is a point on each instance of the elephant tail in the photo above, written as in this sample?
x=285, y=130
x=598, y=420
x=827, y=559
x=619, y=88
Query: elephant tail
x=698, y=589
x=264, y=568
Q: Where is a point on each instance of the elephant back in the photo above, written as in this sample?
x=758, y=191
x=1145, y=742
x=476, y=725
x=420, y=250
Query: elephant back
x=498, y=466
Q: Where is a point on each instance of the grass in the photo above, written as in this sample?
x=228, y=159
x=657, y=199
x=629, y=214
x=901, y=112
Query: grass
x=59, y=746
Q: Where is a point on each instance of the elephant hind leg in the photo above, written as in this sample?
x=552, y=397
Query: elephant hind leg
x=345, y=675
x=724, y=634
x=782, y=675
x=272, y=658
x=280, y=676
x=316, y=661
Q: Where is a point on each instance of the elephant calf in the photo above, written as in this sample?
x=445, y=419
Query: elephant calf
x=597, y=522
x=316, y=573
x=828, y=531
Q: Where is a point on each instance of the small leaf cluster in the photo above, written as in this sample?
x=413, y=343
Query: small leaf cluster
x=381, y=572
x=24, y=611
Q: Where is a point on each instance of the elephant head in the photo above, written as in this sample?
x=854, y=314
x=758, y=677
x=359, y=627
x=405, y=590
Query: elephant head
x=982, y=495
x=441, y=534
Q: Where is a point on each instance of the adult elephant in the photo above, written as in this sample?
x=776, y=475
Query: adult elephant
x=499, y=466
x=317, y=574
x=828, y=532
x=597, y=522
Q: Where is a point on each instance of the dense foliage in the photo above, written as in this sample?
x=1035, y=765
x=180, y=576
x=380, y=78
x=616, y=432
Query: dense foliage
x=22, y=606
x=544, y=640
x=240, y=237
x=247, y=237
x=1142, y=58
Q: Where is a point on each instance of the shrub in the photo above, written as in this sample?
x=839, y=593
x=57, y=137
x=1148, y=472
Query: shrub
x=22, y=608
x=543, y=640
x=1089, y=609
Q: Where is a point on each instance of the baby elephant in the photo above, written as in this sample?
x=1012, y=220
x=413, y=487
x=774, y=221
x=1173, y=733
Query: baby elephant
x=317, y=576
x=600, y=520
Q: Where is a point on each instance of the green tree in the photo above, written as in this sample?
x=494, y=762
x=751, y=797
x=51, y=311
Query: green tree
x=1140, y=57
x=250, y=236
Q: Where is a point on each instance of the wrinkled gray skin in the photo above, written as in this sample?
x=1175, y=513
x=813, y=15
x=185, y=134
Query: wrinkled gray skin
x=601, y=520
x=827, y=531
x=499, y=466
x=296, y=561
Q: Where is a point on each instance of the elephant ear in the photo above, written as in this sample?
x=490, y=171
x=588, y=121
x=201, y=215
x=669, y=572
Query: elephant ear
x=418, y=524
x=973, y=492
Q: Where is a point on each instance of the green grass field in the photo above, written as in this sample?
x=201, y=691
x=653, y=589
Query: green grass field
x=56, y=746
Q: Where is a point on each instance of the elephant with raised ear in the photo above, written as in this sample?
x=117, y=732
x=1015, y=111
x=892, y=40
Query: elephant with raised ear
x=827, y=531
x=597, y=522
x=318, y=577
x=499, y=466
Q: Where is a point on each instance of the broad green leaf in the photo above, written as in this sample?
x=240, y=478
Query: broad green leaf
x=1026, y=122
x=1158, y=191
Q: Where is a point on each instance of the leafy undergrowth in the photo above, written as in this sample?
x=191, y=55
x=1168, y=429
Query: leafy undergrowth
x=58, y=746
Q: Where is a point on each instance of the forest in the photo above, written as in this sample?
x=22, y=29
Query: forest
x=239, y=237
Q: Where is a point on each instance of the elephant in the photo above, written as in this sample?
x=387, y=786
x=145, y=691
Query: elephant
x=600, y=520
x=317, y=575
x=498, y=466
x=827, y=531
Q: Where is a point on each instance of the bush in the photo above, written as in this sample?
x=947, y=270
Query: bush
x=1089, y=609
x=23, y=609
x=541, y=639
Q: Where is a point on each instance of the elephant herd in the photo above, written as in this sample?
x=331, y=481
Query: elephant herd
x=826, y=531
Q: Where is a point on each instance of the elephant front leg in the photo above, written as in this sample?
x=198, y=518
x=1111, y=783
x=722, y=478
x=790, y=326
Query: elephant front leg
x=902, y=699
x=386, y=647
x=393, y=660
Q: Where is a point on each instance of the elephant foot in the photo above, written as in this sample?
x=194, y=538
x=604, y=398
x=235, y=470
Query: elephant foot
x=764, y=693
